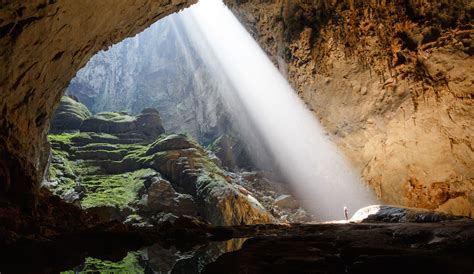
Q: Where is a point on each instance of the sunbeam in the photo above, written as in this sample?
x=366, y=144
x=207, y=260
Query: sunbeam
x=319, y=173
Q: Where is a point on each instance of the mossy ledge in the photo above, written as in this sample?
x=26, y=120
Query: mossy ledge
x=109, y=165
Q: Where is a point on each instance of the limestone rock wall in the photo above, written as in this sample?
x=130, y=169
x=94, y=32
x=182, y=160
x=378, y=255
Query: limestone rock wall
x=158, y=68
x=391, y=81
x=42, y=45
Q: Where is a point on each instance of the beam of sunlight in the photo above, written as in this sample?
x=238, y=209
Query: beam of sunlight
x=320, y=175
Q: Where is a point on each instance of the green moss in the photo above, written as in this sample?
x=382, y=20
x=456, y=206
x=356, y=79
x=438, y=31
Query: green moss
x=115, y=116
x=214, y=146
x=129, y=264
x=138, y=153
x=60, y=152
x=65, y=185
x=53, y=174
x=84, y=168
x=62, y=171
x=63, y=138
x=162, y=138
x=99, y=146
x=117, y=190
x=85, y=138
x=74, y=107
x=93, y=136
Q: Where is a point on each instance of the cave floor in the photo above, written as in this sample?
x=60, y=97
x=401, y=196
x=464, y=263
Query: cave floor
x=441, y=247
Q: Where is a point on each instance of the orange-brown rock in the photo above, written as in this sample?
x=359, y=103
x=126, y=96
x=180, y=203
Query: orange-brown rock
x=391, y=81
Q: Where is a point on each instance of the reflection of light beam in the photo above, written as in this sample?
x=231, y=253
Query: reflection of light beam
x=321, y=176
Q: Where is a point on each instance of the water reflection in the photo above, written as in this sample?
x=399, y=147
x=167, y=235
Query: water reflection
x=158, y=259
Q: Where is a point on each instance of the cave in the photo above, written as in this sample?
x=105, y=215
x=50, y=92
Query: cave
x=130, y=142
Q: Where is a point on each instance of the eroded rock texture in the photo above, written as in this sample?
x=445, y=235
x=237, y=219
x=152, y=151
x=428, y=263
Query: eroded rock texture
x=124, y=167
x=391, y=81
x=42, y=45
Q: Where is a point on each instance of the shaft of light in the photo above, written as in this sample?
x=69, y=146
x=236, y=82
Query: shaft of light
x=320, y=175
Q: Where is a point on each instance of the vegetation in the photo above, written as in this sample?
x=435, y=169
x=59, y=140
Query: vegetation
x=129, y=264
x=115, y=116
x=79, y=159
x=63, y=138
x=117, y=190
x=214, y=146
x=70, y=106
x=110, y=173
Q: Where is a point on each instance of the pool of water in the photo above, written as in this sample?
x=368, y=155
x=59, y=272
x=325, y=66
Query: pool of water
x=159, y=259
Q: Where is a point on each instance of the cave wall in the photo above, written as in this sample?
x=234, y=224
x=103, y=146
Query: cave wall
x=42, y=45
x=392, y=83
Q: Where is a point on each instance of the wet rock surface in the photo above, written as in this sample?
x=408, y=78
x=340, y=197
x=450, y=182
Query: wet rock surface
x=394, y=214
x=356, y=248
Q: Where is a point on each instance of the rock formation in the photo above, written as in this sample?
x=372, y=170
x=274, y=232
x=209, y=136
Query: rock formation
x=69, y=115
x=392, y=84
x=113, y=167
x=147, y=124
x=42, y=45
x=157, y=68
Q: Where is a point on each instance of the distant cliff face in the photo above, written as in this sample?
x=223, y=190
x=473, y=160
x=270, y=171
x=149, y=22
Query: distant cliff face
x=158, y=68
x=392, y=84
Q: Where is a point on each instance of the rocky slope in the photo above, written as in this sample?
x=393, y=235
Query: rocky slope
x=42, y=45
x=392, y=82
x=123, y=167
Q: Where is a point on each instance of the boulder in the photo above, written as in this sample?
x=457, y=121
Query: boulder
x=109, y=122
x=286, y=201
x=161, y=197
x=172, y=142
x=396, y=214
x=107, y=213
x=191, y=171
x=232, y=152
x=147, y=125
x=69, y=115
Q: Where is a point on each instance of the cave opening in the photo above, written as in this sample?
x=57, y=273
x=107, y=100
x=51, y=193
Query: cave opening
x=172, y=148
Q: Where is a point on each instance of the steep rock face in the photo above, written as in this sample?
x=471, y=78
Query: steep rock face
x=42, y=45
x=158, y=68
x=392, y=84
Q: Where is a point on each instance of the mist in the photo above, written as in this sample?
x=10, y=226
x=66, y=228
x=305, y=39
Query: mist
x=254, y=89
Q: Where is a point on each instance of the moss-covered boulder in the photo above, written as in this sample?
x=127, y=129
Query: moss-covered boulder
x=191, y=171
x=146, y=125
x=69, y=115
